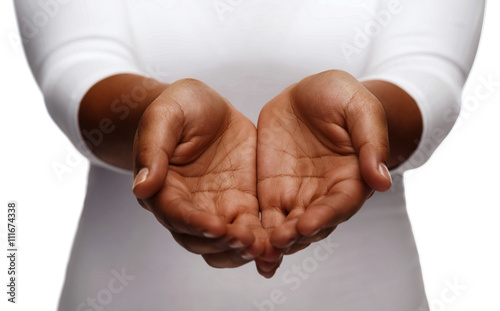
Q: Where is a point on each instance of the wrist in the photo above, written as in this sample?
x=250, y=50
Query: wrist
x=109, y=114
x=404, y=120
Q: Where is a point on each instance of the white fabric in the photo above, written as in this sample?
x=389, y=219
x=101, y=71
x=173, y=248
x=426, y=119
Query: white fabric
x=248, y=51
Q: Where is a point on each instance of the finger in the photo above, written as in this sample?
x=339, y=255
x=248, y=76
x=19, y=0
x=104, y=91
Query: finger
x=237, y=237
x=267, y=270
x=157, y=135
x=296, y=248
x=322, y=234
x=272, y=217
x=271, y=191
x=367, y=125
x=267, y=267
x=342, y=203
x=269, y=261
x=285, y=235
x=234, y=258
x=181, y=216
x=227, y=259
x=270, y=253
x=304, y=241
x=288, y=238
x=252, y=223
x=267, y=275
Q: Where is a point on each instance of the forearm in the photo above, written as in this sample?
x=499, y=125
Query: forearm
x=110, y=112
x=404, y=120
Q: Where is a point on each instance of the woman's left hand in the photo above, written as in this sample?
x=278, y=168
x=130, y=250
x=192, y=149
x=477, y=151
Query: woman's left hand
x=322, y=148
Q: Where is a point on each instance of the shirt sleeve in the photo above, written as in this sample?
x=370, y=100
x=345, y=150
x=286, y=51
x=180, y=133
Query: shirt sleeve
x=427, y=48
x=70, y=46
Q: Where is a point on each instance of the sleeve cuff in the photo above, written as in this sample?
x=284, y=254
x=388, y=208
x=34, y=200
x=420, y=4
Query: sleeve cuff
x=438, y=119
x=64, y=84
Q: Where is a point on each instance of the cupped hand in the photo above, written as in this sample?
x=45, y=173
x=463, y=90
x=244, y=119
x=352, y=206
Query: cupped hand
x=194, y=167
x=322, y=147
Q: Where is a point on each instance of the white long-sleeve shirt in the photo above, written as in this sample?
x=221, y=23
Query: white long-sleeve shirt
x=248, y=51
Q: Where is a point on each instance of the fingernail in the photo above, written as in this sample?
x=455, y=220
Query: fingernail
x=141, y=177
x=384, y=171
x=235, y=243
x=209, y=235
x=247, y=255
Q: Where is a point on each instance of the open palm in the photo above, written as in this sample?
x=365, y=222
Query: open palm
x=201, y=184
x=319, y=144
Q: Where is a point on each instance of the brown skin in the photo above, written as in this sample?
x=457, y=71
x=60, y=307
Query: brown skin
x=97, y=104
x=404, y=120
x=323, y=137
x=201, y=156
x=320, y=145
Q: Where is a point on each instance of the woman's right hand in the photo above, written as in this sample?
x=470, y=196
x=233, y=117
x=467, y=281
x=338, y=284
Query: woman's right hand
x=194, y=167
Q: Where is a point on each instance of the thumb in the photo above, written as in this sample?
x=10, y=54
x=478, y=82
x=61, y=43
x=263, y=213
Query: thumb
x=367, y=125
x=157, y=136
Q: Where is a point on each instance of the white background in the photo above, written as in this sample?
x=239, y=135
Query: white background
x=453, y=200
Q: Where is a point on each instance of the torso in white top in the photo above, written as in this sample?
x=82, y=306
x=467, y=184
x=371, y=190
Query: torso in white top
x=123, y=259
